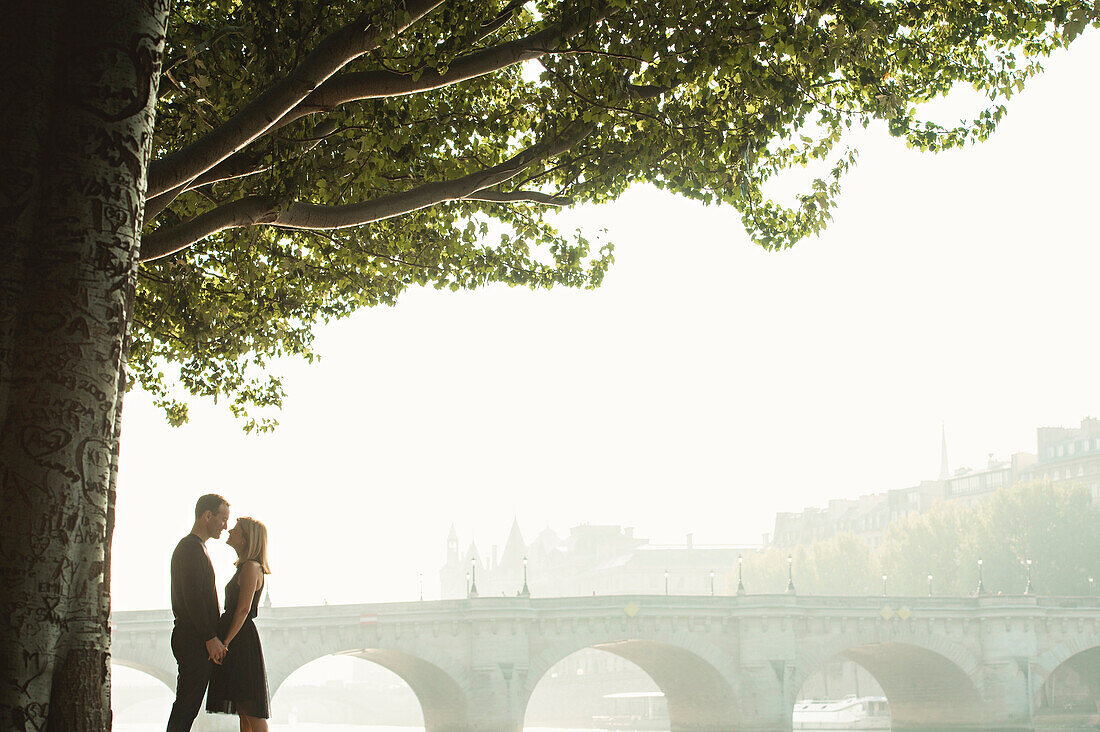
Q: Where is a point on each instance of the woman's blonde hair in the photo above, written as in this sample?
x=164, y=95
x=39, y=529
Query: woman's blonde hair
x=255, y=543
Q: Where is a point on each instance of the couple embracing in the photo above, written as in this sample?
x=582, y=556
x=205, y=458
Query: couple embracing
x=219, y=656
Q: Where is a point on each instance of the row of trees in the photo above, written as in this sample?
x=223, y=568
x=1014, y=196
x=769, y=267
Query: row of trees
x=1054, y=526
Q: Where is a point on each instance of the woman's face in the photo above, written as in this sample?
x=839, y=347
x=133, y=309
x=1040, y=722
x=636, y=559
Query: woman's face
x=236, y=537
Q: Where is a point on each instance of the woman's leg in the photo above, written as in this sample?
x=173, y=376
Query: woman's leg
x=245, y=725
x=255, y=724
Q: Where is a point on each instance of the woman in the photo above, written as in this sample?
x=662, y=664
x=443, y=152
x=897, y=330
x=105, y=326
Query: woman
x=239, y=685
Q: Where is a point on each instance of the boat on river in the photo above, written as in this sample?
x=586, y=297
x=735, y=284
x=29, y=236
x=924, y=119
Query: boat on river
x=849, y=713
x=634, y=711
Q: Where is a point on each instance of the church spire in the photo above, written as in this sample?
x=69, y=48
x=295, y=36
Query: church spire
x=944, y=472
x=515, y=549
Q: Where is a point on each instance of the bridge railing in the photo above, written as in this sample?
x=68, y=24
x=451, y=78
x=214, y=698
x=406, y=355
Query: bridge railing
x=427, y=610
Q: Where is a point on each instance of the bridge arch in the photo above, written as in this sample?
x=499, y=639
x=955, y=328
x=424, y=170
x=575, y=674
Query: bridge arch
x=1048, y=661
x=694, y=676
x=152, y=689
x=346, y=689
x=163, y=675
x=437, y=681
x=1079, y=655
x=929, y=682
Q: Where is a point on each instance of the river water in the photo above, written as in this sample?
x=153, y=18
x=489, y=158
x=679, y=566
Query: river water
x=310, y=727
x=314, y=727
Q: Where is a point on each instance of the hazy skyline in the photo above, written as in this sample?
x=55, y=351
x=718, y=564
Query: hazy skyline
x=707, y=385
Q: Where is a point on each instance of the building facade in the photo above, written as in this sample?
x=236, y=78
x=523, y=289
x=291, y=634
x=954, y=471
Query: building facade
x=1064, y=455
x=1068, y=455
x=591, y=560
x=971, y=486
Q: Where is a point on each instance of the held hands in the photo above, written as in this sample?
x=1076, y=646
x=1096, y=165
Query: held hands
x=216, y=650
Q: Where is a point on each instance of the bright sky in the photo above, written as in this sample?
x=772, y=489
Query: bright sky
x=707, y=384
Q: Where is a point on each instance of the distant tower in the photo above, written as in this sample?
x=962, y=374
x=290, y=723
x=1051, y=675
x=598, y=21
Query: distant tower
x=514, y=549
x=452, y=546
x=944, y=473
x=509, y=575
x=452, y=576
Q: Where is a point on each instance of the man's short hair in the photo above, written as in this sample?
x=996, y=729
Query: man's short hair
x=210, y=502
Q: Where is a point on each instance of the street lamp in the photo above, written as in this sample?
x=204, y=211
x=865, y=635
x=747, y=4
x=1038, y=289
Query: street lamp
x=981, y=585
x=1090, y=586
x=420, y=581
x=884, y=585
x=930, y=585
x=740, y=584
x=1027, y=590
x=525, y=592
x=473, y=577
x=666, y=581
x=712, y=583
x=790, y=575
x=467, y=584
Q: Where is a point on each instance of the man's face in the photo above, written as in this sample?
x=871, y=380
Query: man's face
x=218, y=521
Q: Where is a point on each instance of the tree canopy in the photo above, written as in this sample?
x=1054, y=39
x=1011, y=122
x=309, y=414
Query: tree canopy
x=311, y=159
x=1056, y=527
x=841, y=565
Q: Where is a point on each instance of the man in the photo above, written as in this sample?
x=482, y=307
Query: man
x=195, y=642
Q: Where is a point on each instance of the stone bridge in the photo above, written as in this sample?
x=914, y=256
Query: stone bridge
x=725, y=664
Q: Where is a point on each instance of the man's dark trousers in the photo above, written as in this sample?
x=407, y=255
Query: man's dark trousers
x=194, y=674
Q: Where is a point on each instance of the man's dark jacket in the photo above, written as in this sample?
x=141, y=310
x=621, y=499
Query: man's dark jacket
x=194, y=598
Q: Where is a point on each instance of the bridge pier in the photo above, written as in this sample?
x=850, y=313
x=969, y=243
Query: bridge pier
x=491, y=704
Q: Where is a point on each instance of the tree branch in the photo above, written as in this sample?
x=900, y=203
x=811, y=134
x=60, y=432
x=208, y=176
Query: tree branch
x=255, y=210
x=237, y=165
x=519, y=197
x=155, y=206
x=311, y=216
x=381, y=83
x=257, y=117
x=489, y=27
x=245, y=212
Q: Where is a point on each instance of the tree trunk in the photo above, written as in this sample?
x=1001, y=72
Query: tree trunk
x=78, y=83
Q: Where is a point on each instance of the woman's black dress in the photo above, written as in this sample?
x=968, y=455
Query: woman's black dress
x=239, y=684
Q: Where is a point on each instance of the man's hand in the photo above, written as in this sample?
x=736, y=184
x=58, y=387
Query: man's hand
x=215, y=649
